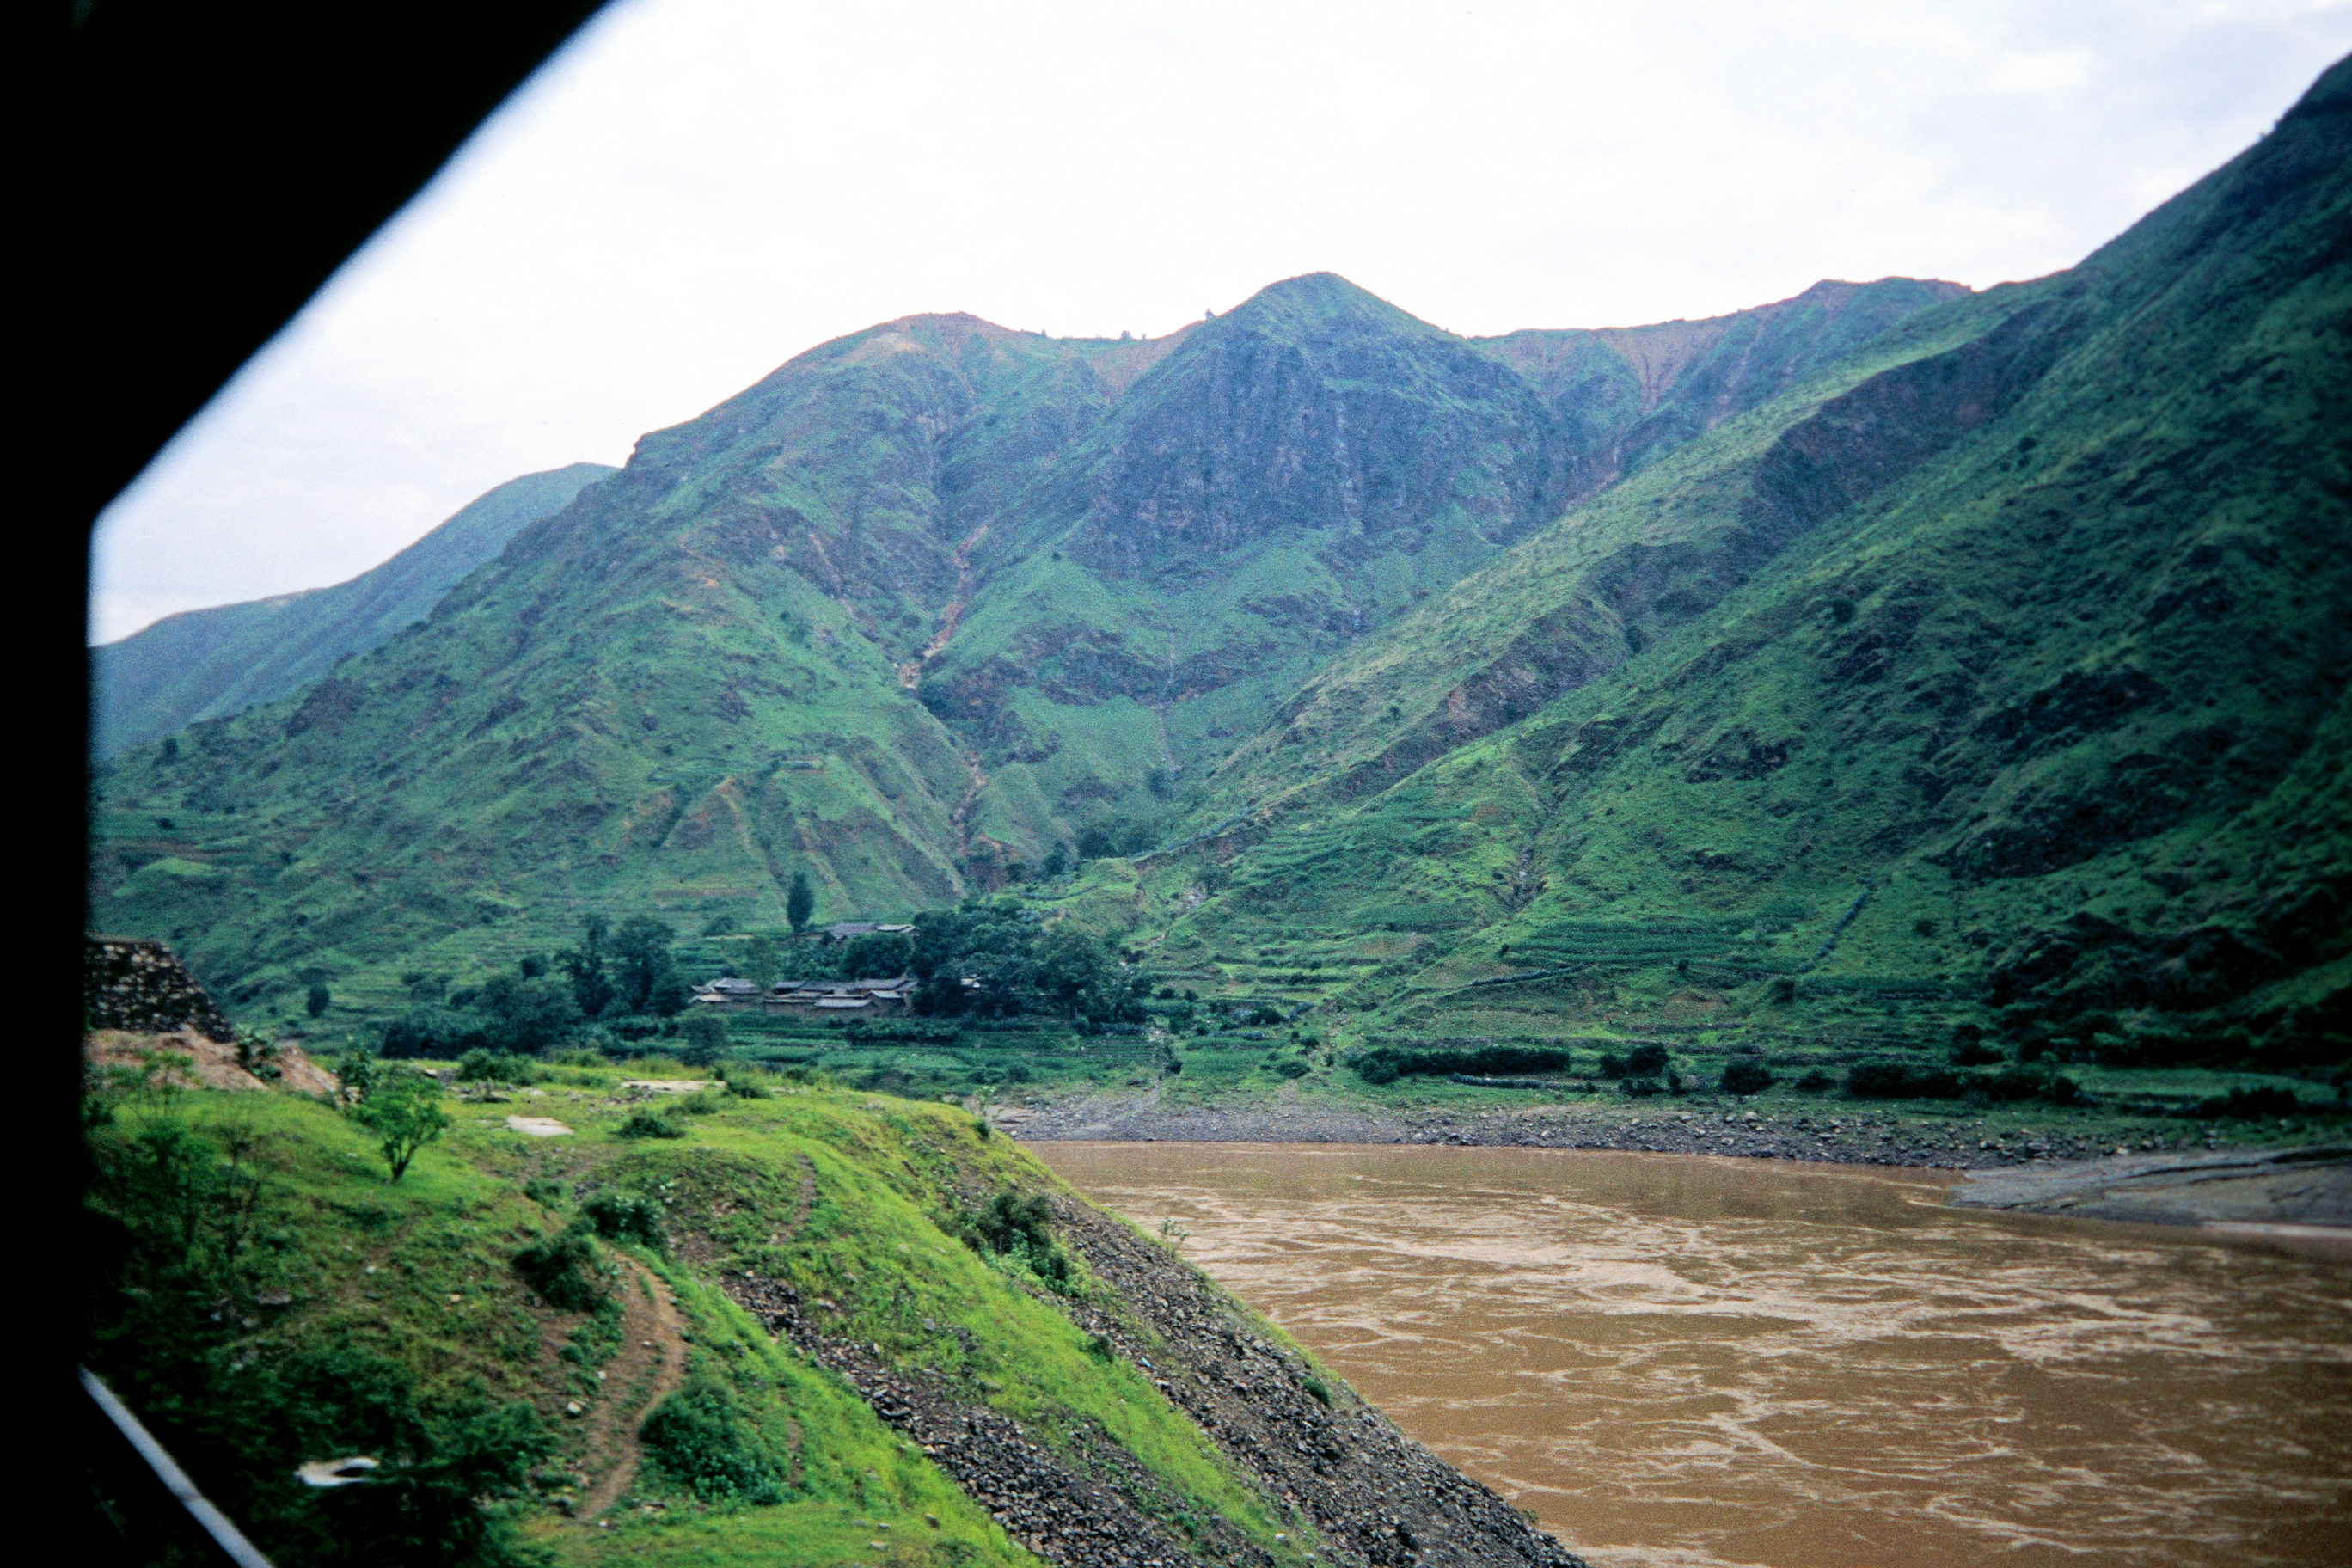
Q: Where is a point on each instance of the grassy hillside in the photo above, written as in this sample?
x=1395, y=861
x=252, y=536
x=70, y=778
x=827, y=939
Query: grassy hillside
x=804, y=1323
x=207, y=664
x=1993, y=678
x=918, y=607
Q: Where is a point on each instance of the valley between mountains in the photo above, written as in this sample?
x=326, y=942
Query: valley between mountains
x=629, y=934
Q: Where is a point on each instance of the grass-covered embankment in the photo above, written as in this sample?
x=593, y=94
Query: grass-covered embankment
x=542, y=1340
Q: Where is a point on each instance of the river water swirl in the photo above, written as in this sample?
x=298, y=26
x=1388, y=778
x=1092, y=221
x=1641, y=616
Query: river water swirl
x=1677, y=1360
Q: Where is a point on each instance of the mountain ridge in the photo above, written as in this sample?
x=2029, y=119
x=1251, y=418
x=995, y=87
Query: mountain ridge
x=921, y=605
x=212, y=662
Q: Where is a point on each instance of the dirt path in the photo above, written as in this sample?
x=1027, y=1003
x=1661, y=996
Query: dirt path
x=649, y=1366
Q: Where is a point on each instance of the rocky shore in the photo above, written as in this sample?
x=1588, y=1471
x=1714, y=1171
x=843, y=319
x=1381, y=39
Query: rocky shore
x=2252, y=1190
x=1373, y=1497
x=1866, y=1137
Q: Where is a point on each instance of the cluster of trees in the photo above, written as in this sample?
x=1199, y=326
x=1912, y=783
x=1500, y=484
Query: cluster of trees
x=1387, y=1064
x=1904, y=1080
x=623, y=979
x=1110, y=838
x=1019, y=967
x=1646, y=1070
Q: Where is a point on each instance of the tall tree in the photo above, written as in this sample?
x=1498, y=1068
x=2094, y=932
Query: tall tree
x=644, y=976
x=759, y=962
x=799, y=903
x=592, y=987
x=706, y=1037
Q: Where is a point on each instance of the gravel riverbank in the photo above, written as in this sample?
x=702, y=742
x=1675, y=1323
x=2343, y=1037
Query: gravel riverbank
x=2022, y=1167
x=1869, y=1137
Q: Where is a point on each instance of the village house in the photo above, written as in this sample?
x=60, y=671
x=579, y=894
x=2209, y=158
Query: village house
x=877, y=998
x=728, y=991
x=846, y=930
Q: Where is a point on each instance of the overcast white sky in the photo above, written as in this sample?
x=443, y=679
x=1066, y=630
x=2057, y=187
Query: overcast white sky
x=697, y=190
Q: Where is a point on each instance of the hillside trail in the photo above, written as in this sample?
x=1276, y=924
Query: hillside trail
x=652, y=1358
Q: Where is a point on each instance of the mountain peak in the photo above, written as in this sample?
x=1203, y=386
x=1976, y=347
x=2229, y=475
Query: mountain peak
x=1316, y=298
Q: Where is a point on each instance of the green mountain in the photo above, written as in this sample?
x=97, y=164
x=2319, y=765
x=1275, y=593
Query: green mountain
x=922, y=604
x=208, y=664
x=1885, y=660
x=1994, y=674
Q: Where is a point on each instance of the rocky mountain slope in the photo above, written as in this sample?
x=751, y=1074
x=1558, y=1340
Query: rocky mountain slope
x=916, y=608
x=1994, y=677
x=209, y=664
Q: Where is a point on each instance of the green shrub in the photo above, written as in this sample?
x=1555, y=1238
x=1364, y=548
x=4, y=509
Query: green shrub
x=2250, y=1104
x=623, y=1216
x=1010, y=1217
x=700, y=1439
x=648, y=1124
x=1816, y=1081
x=1291, y=1067
x=439, y=1032
x=565, y=1271
x=1645, y=1061
x=1746, y=1075
x=1899, y=1080
x=1640, y=1087
x=403, y=1110
x=1020, y=1230
x=1387, y=1064
x=1318, y=1392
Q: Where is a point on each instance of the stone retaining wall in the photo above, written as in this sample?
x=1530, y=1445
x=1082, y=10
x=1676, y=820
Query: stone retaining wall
x=131, y=984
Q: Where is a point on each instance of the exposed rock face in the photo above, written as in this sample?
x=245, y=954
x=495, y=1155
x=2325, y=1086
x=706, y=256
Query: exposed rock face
x=1375, y=1496
x=1312, y=407
x=130, y=984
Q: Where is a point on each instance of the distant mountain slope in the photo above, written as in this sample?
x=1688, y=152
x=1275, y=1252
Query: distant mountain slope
x=1624, y=394
x=205, y=664
x=1289, y=477
x=911, y=610
x=1995, y=677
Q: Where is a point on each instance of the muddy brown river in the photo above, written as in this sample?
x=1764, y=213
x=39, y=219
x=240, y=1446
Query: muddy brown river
x=1677, y=1360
